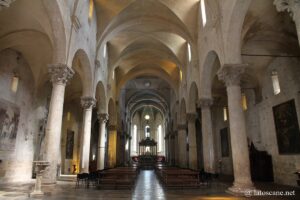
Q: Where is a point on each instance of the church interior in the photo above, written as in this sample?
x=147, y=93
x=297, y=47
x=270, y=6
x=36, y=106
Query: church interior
x=149, y=99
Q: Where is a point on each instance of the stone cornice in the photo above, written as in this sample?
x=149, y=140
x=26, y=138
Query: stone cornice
x=287, y=5
x=60, y=73
x=231, y=74
x=88, y=102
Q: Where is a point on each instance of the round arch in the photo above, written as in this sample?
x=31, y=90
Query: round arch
x=81, y=64
x=193, y=97
x=101, y=98
x=207, y=73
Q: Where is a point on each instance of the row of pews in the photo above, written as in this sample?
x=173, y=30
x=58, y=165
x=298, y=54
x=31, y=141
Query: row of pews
x=118, y=178
x=115, y=178
x=175, y=177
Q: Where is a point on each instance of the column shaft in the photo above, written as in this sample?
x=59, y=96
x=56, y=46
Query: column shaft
x=182, y=147
x=53, y=132
x=87, y=103
x=231, y=75
x=192, y=141
x=60, y=74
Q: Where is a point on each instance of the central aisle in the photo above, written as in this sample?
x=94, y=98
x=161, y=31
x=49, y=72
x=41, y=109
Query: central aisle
x=148, y=187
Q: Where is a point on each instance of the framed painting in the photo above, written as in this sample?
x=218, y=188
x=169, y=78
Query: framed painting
x=224, y=142
x=287, y=128
x=9, y=120
x=70, y=144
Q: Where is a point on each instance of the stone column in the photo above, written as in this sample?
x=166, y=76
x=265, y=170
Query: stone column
x=182, y=145
x=191, y=118
x=231, y=75
x=167, y=148
x=172, y=139
x=103, y=118
x=87, y=103
x=176, y=145
x=207, y=135
x=293, y=7
x=60, y=74
x=112, y=146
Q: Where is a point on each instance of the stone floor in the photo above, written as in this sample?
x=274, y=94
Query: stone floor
x=147, y=188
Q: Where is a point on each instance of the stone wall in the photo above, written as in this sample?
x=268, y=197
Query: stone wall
x=16, y=162
x=288, y=71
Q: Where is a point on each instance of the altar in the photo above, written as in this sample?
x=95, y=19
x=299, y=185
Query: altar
x=147, y=153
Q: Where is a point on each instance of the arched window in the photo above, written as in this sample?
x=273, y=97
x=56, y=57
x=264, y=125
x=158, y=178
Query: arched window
x=159, y=138
x=147, y=131
x=134, y=138
x=189, y=52
x=203, y=13
x=91, y=10
x=275, y=82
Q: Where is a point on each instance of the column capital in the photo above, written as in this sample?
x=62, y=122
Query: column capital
x=103, y=117
x=181, y=126
x=60, y=73
x=112, y=127
x=287, y=5
x=5, y=3
x=231, y=73
x=205, y=102
x=88, y=102
x=191, y=117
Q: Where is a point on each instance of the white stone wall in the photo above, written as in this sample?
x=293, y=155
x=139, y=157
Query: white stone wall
x=288, y=71
x=17, y=164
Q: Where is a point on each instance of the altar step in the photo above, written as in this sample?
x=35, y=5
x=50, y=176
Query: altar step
x=68, y=178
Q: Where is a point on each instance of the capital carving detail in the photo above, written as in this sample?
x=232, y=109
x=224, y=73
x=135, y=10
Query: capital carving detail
x=103, y=117
x=231, y=74
x=191, y=117
x=5, y=3
x=287, y=5
x=88, y=102
x=181, y=127
x=60, y=73
x=205, y=102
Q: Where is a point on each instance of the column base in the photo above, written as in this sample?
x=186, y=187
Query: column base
x=241, y=189
x=36, y=194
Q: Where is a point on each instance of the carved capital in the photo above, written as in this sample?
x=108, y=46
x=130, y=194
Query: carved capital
x=112, y=127
x=181, y=127
x=60, y=73
x=5, y=3
x=287, y=5
x=88, y=102
x=231, y=74
x=205, y=102
x=103, y=117
x=191, y=117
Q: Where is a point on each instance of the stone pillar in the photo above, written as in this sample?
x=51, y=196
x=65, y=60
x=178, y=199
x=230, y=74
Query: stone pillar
x=293, y=7
x=167, y=148
x=207, y=135
x=182, y=145
x=87, y=103
x=103, y=118
x=60, y=74
x=172, y=140
x=191, y=118
x=176, y=149
x=112, y=146
x=231, y=75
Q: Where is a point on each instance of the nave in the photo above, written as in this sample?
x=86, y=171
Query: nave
x=147, y=187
